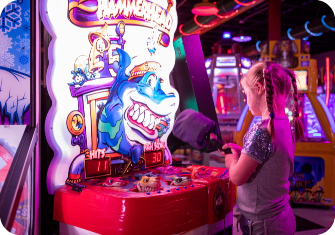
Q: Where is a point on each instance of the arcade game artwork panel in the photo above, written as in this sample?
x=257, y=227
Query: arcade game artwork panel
x=111, y=171
x=314, y=175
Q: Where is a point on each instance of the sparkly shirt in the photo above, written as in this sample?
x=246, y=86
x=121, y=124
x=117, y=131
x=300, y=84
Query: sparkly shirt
x=265, y=194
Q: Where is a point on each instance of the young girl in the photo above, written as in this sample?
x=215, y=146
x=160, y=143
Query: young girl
x=262, y=167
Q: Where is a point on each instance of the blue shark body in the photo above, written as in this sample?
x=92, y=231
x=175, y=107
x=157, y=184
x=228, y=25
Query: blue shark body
x=116, y=128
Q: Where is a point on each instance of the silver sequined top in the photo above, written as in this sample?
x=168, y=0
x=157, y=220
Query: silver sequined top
x=257, y=143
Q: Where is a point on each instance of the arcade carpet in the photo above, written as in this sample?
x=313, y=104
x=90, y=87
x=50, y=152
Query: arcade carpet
x=311, y=220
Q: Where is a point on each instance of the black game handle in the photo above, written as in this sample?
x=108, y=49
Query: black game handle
x=214, y=145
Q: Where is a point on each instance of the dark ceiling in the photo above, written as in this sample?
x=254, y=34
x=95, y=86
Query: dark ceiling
x=294, y=13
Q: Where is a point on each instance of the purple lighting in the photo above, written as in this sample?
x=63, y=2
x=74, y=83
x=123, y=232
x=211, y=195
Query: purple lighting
x=242, y=38
x=226, y=35
x=246, y=62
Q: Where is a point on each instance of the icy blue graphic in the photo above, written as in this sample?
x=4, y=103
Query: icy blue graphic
x=10, y=17
x=14, y=95
x=15, y=63
x=24, y=59
x=26, y=28
x=23, y=44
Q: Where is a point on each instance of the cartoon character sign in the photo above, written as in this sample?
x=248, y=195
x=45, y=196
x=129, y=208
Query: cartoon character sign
x=116, y=57
x=284, y=51
x=134, y=110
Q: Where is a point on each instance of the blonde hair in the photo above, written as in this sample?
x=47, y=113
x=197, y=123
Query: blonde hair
x=277, y=80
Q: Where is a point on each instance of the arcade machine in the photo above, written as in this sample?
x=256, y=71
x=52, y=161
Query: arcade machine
x=225, y=69
x=113, y=110
x=314, y=173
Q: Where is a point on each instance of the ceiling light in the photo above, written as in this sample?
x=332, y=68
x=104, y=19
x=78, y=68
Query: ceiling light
x=226, y=35
x=242, y=38
x=205, y=8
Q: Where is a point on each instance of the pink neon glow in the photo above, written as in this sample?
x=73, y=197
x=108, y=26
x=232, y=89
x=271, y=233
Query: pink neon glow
x=203, y=25
x=227, y=15
x=222, y=105
x=187, y=34
x=245, y=4
x=328, y=81
x=180, y=31
x=205, y=10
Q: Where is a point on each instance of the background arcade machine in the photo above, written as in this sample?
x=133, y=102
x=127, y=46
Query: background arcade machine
x=225, y=69
x=111, y=171
x=314, y=174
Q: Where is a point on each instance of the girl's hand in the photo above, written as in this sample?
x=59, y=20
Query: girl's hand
x=230, y=158
x=232, y=146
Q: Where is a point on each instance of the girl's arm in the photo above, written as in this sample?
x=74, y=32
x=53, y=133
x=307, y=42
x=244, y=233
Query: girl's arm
x=240, y=168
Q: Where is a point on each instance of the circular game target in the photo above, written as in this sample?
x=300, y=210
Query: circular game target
x=75, y=123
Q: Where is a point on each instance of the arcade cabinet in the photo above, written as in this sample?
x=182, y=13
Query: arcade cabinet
x=225, y=69
x=113, y=110
x=314, y=173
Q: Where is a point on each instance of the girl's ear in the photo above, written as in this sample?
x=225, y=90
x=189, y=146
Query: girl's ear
x=259, y=88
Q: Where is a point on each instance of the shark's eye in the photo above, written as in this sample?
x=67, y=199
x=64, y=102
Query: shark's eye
x=146, y=180
x=152, y=80
x=179, y=180
x=110, y=181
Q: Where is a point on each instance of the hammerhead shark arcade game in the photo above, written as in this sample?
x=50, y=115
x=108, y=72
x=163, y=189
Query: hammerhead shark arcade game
x=112, y=112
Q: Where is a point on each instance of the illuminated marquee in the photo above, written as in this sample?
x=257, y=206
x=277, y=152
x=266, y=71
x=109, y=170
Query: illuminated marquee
x=136, y=12
x=113, y=105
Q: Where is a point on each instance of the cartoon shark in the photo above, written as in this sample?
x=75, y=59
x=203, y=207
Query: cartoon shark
x=136, y=112
x=134, y=109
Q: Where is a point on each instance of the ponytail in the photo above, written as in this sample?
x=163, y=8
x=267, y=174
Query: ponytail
x=269, y=99
x=298, y=127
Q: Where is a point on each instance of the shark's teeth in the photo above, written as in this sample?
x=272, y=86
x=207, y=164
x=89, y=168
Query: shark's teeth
x=157, y=121
x=141, y=117
x=136, y=114
x=131, y=113
x=152, y=122
x=146, y=121
x=136, y=106
x=142, y=108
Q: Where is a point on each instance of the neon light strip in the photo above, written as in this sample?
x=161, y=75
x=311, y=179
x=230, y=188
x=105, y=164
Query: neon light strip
x=306, y=38
x=324, y=23
x=245, y=4
x=311, y=33
x=289, y=35
x=203, y=25
x=225, y=16
x=328, y=81
x=241, y=120
x=329, y=116
x=257, y=45
x=184, y=34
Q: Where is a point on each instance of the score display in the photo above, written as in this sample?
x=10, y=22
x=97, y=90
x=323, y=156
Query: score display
x=154, y=158
x=97, y=167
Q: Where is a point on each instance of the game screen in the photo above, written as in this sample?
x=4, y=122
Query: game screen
x=312, y=128
x=226, y=61
x=331, y=103
x=302, y=78
x=226, y=90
